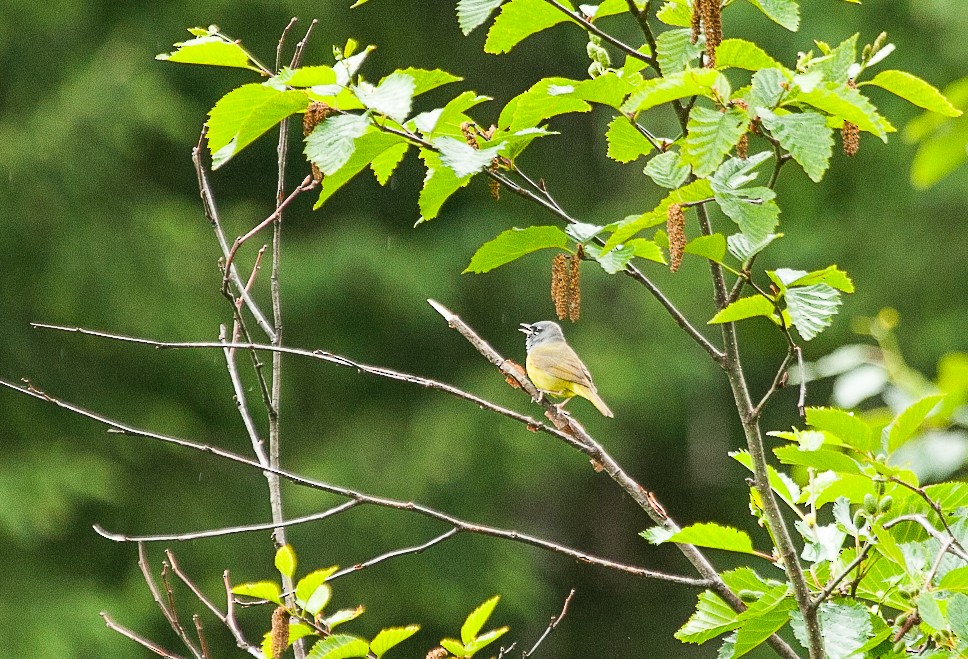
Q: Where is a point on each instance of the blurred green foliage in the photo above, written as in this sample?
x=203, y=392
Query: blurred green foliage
x=102, y=228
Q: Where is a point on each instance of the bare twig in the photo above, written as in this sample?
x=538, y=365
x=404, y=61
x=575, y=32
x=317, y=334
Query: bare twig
x=835, y=581
x=241, y=405
x=552, y=625
x=935, y=506
x=137, y=638
x=588, y=26
x=417, y=549
x=955, y=547
x=777, y=383
x=200, y=632
x=166, y=607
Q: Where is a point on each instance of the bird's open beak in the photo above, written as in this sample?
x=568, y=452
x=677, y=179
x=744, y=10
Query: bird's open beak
x=526, y=328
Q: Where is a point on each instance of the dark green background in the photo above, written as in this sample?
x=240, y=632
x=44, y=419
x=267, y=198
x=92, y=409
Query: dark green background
x=101, y=226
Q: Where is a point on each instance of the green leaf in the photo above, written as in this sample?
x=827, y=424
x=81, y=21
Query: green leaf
x=263, y=590
x=309, y=583
x=958, y=615
x=386, y=163
x=907, y=422
x=656, y=91
x=339, y=646
x=332, y=142
x=607, y=89
x=848, y=104
x=782, y=12
x=712, y=247
x=780, y=483
x=513, y=244
x=675, y=50
x=646, y=249
x=914, y=90
x=667, y=170
x=742, y=54
x=850, y=429
x=955, y=580
x=930, y=611
x=752, y=208
x=211, y=50
x=448, y=119
x=831, y=275
x=710, y=135
x=392, y=97
x=244, y=114
x=343, y=615
x=464, y=159
x=835, y=66
x=714, y=536
x=743, y=249
x=391, y=636
x=768, y=88
x=546, y=98
x=453, y=646
x=613, y=261
x=806, y=136
x=712, y=617
x=695, y=191
x=625, y=143
x=675, y=12
x=518, y=20
x=286, y=561
x=760, y=626
x=297, y=631
x=366, y=149
x=821, y=459
x=846, y=628
x=476, y=620
x=484, y=640
x=304, y=76
x=438, y=185
x=812, y=308
x=472, y=13
x=744, y=307
x=426, y=79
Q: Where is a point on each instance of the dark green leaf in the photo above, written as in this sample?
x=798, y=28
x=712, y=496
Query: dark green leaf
x=513, y=244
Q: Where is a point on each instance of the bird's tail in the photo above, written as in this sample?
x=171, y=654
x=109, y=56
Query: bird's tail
x=599, y=404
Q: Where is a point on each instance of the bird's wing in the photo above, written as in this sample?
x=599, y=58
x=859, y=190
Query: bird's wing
x=561, y=361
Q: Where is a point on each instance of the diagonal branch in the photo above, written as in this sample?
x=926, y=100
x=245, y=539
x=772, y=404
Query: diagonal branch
x=137, y=638
x=588, y=26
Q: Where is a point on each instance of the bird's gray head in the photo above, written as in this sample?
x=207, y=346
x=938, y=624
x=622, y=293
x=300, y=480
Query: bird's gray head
x=543, y=331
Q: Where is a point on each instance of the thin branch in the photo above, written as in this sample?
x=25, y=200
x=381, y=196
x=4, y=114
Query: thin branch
x=776, y=385
x=926, y=524
x=588, y=26
x=241, y=405
x=228, y=530
x=282, y=42
x=137, y=638
x=200, y=632
x=833, y=583
x=552, y=625
x=417, y=549
x=935, y=506
x=167, y=611
x=301, y=46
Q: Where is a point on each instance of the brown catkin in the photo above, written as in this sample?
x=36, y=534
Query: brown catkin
x=713, y=27
x=559, y=285
x=467, y=130
x=280, y=632
x=574, y=287
x=850, y=133
x=315, y=114
x=743, y=147
x=438, y=653
x=696, y=19
x=494, y=187
x=676, y=229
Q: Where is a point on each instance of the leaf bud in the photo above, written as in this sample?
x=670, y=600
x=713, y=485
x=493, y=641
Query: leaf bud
x=886, y=503
x=870, y=504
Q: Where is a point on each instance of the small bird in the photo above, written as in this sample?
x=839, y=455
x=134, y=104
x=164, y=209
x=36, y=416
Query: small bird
x=554, y=367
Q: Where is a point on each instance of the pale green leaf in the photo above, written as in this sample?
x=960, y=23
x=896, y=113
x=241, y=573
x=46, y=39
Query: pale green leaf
x=263, y=590
x=780, y=483
x=955, y=580
x=448, y=119
x=743, y=249
x=831, y=275
x=304, y=76
x=768, y=87
x=754, y=212
x=822, y=459
x=546, y=98
x=339, y=646
x=939, y=155
x=907, y=422
x=472, y=13
x=646, y=249
x=695, y=191
x=712, y=617
x=848, y=104
x=476, y=620
x=930, y=611
x=656, y=91
x=835, y=66
x=710, y=135
x=391, y=636
x=806, y=136
x=309, y=583
x=757, y=629
x=712, y=247
x=845, y=426
x=425, y=79
x=366, y=149
x=513, y=244
x=392, y=97
x=211, y=50
x=342, y=616
x=607, y=89
x=244, y=114
x=297, y=630
x=464, y=159
x=319, y=599
x=958, y=615
x=812, y=308
x=714, y=536
x=439, y=184
x=845, y=628
x=285, y=561
x=333, y=142
x=667, y=170
x=518, y=20
x=613, y=261
x=742, y=54
x=914, y=90
x=675, y=50
x=744, y=307
x=386, y=163
x=625, y=142
x=675, y=12
x=782, y=12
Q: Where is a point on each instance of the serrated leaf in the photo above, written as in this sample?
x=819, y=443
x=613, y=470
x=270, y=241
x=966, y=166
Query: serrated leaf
x=285, y=561
x=391, y=636
x=426, y=79
x=850, y=429
x=339, y=646
x=712, y=247
x=244, y=114
x=473, y=13
x=742, y=54
x=448, y=119
x=309, y=583
x=696, y=191
x=657, y=534
x=930, y=611
x=845, y=628
x=665, y=169
x=392, y=97
x=914, y=90
x=955, y=580
x=656, y=91
x=758, y=628
x=806, y=136
x=476, y=620
x=675, y=50
x=825, y=460
x=831, y=275
x=907, y=422
x=712, y=617
x=439, y=184
x=743, y=249
x=546, y=98
x=646, y=249
x=366, y=149
x=210, y=50
x=768, y=87
x=614, y=260
x=714, y=536
x=781, y=12
x=305, y=76
x=386, y=163
x=484, y=640
x=710, y=135
x=607, y=89
x=744, y=307
x=464, y=159
x=518, y=20
x=812, y=308
x=263, y=590
x=958, y=615
x=625, y=143
x=754, y=212
x=513, y=244
x=835, y=66
x=332, y=142
x=453, y=646
x=675, y=12
x=848, y=104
